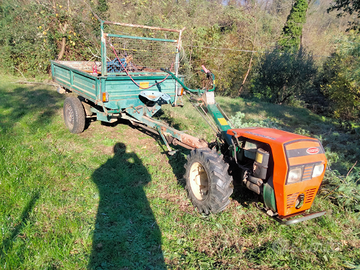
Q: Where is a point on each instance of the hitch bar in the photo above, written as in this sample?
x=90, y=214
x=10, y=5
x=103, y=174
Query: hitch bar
x=283, y=221
x=300, y=219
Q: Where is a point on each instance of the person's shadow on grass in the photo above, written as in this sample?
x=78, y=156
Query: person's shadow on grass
x=126, y=234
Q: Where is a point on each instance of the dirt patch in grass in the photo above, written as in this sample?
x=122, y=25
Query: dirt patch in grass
x=180, y=201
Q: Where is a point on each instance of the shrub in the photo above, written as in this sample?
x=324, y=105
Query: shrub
x=340, y=80
x=284, y=77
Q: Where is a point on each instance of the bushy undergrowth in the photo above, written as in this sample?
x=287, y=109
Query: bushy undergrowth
x=340, y=78
x=238, y=121
x=32, y=34
x=343, y=190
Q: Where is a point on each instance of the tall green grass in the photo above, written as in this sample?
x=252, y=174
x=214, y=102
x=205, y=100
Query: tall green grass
x=110, y=198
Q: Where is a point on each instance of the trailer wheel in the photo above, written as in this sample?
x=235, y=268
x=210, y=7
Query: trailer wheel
x=74, y=115
x=208, y=183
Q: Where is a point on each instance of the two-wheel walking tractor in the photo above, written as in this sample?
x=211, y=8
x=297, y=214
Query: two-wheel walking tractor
x=141, y=74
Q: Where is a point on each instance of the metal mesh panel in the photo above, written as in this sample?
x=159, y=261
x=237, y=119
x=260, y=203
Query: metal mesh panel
x=138, y=52
x=139, y=55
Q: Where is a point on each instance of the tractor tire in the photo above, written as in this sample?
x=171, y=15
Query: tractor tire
x=74, y=115
x=208, y=182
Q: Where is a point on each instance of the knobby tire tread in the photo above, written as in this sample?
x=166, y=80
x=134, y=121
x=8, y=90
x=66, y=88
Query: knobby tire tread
x=220, y=181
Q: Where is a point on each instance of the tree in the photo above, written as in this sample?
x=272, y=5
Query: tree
x=348, y=7
x=292, y=31
x=286, y=72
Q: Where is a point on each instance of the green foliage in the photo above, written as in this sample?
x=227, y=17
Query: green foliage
x=292, y=31
x=102, y=6
x=32, y=34
x=228, y=65
x=344, y=191
x=26, y=44
x=284, y=77
x=341, y=73
x=239, y=121
x=216, y=45
x=216, y=35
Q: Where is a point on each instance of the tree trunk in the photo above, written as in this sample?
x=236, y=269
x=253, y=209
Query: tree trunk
x=246, y=75
x=62, y=51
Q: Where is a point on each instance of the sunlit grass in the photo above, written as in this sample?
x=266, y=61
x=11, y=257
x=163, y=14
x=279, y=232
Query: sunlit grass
x=110, y=198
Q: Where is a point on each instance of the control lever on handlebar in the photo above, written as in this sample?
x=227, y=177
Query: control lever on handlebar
x=205, y=69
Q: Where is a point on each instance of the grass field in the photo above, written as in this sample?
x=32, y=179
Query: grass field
x=111, y=198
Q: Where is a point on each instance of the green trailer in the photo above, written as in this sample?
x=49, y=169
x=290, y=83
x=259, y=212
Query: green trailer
x=139, y=72
x=132, y=86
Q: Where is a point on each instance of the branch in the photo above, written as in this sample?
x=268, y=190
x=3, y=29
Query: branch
x=19, y=71
x=40, y=83
x=351, y=169
x=250, y=62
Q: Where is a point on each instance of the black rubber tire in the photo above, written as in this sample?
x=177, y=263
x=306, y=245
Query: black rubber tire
x=212, y=174
x=74, y=115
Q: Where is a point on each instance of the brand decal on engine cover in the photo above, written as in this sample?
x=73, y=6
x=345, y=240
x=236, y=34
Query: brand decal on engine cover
x=312, y=150
x=260, y=135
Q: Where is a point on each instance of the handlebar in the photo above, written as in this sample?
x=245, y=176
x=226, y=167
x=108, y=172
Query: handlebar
x=204, y=69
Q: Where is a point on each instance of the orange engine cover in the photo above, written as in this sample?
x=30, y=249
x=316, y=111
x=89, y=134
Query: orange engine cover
x=290, y=151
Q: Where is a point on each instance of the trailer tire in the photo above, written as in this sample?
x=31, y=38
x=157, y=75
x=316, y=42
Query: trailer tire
x=208, y=182
x=74, y=115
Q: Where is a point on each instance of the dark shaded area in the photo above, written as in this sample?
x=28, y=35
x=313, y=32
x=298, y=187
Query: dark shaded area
x=241, y=193
x=23, y=101
x=126, y=234
x=7, y=243
x=177, y=161
x=244, y=196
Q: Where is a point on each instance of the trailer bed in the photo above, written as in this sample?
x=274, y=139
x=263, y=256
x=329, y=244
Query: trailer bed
x=122, y=91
